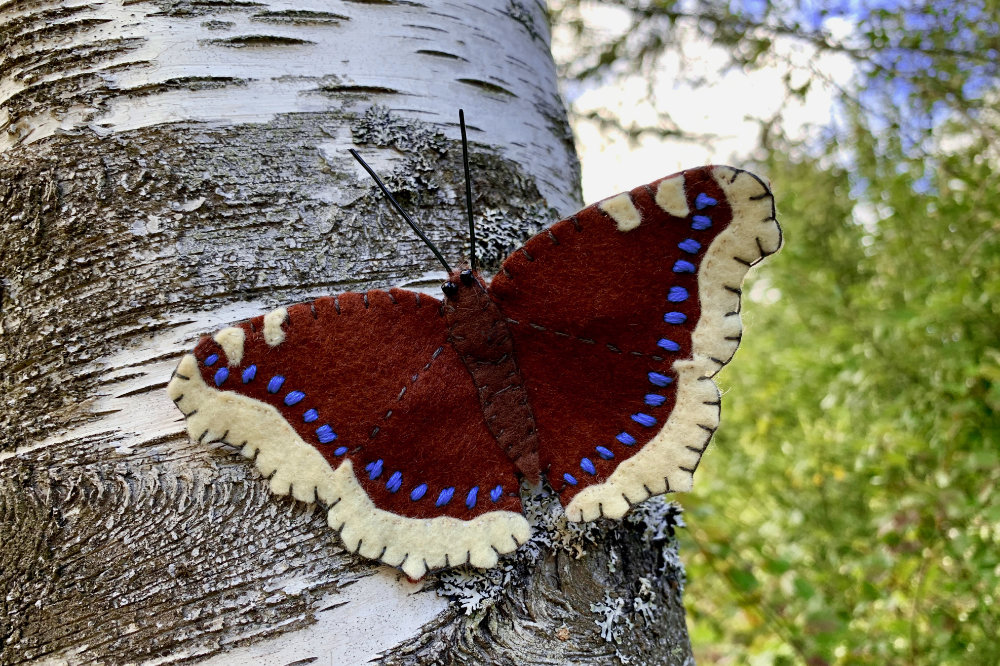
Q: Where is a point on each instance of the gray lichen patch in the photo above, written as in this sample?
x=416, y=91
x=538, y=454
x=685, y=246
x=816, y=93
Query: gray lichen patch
x=381, y=128
x=507, y=206
x=547, y=590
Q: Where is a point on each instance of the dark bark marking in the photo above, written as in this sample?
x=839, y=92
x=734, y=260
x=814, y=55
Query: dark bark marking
x=487, y=86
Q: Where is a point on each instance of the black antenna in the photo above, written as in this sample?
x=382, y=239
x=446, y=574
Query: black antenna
x=468, y=191
x=399, y=209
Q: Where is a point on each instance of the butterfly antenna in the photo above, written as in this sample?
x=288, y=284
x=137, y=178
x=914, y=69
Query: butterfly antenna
x=399, y=209
x=468, y=191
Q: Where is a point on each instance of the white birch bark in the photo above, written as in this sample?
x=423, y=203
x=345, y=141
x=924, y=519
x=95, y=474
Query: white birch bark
x=169, y=167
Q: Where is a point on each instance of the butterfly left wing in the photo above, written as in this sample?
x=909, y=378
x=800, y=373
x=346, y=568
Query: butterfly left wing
x=360, y=401
x=620, y=316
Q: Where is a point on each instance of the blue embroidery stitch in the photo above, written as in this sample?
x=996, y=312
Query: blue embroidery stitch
x=274, y=385
x=644, y=420
x=221, y=375
x=675, y=317
x=418, y=492
x=445, y=496
x=654, y=399
x=625, y=438
x=374, y=469
x=669, y=345
x=677, y=295
x=470, y=500
x=588, y=466
x=394, y=482
x=341, y=450
x=605, y=452
x=657, y=379
x=249, y=374
x=496, y=493
x=211, y=359
x=294, y=398
x=700, y=223
x=689, y=245
x=325, y=434
x=704, y=201
x=310, y=415
x=570, y=479
x=681, y=266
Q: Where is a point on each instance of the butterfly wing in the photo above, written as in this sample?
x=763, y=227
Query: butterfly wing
x=360, y=402
x=621, y=315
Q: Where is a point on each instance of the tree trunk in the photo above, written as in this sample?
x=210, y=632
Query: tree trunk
x=167, y=168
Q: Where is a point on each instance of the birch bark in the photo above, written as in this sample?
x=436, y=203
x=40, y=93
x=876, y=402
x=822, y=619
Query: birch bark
x=169, y=167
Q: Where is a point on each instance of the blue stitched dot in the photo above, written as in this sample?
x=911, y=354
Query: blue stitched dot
x=669, y=345
x=249, y=374
x=274, y=385
x=418, y=492
x=625, y=438
x=470, y=499
x=570, y=479
x=689, y=245
x=675, y=317
x=605, y=453
x=657, y=379
x=341, y=450
x=654, y=399
x=221, y=375
x=310, y=415
x=644, y=420
x=496, y=493
x=325, y=434
x=681, y=266
x=211, y=359
x=700, y=223
x=445, y=497
x=394, y=482
x=294, y=397
x=704, y=201
x=677, y=295
x=588, y=466
x=374, y=469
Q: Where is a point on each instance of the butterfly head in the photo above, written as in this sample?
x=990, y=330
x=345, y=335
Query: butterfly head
x=459, y=281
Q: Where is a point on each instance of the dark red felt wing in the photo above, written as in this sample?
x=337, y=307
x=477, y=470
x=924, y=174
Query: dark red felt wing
x=360, y=401
x=620, y=316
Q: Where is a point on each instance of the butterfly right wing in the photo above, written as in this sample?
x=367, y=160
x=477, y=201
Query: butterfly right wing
x=360, y=401
x=620, y=316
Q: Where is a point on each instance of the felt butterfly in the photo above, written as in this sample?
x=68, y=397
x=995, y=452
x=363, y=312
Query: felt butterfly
x=587, y=360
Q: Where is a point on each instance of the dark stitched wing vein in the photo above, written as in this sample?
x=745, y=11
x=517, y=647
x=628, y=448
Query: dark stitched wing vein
x=589, y=341
x=413, y=380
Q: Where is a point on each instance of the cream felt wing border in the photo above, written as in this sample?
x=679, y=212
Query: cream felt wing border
x=414, y=545
x=667, y=462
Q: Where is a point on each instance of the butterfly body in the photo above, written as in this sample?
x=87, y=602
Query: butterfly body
x=587, y=360
x=479, y=332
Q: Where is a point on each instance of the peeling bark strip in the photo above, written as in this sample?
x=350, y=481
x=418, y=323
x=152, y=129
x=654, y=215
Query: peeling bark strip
x=157, y=183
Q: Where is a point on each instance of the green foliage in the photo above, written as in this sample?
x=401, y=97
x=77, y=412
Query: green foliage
x=846, y=511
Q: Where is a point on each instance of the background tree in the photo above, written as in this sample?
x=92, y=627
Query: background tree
x=848, y=512
x=169, y=167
